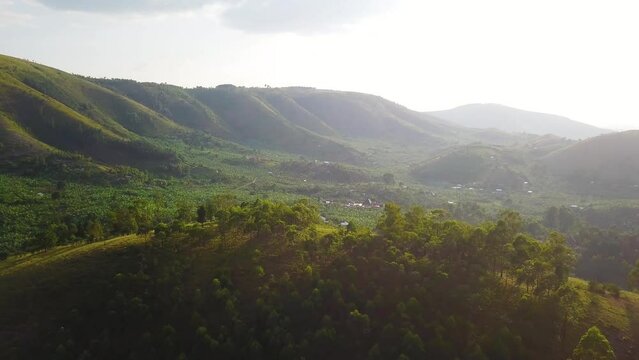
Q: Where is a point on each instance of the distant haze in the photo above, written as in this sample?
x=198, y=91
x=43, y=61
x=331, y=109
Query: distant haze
x=494, y=116
x=572, y=58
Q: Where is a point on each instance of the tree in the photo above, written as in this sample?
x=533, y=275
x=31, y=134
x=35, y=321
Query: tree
x=50, y=237
x=412, y=345
x=184, y=212
x=416, y=220
x=161, y=232
x=498, y=245
x=560, y=256
x=392, y=222
x=124, y=220
x=201, y=214
x=593, y=345
x=524, y=248
x=220, y=202
x=512, y=221
x=94, y=230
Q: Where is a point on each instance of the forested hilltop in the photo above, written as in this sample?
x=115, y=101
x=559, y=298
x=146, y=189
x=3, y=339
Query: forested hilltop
x=262, y=280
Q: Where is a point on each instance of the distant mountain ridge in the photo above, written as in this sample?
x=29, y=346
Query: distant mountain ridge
x=45, y=111
x=504, y=118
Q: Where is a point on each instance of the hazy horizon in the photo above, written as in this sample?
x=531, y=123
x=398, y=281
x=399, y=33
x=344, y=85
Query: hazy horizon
x=571, y=59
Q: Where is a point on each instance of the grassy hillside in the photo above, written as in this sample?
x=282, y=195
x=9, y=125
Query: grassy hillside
x=356, y=115
x=616, y=316
x=17, y=143
x=106, y=108
x=58, y=275
x=44, y=110
x=171, y=101
x=252, y=121
x=493, y=116
x=295, y=113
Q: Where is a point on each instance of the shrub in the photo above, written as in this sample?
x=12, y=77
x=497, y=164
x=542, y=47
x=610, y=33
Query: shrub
x=596, y=287
x=612, y=289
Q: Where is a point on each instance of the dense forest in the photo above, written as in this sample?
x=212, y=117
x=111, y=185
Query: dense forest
x=270, y=280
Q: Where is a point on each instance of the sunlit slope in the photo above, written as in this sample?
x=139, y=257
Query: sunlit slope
x=44, y=109
x=314, y=122
x=295, y=113
x=618, y=317
x=112, y=111
x=16, y=143
x=171, y=101
x=253, y=121
x=50, y=284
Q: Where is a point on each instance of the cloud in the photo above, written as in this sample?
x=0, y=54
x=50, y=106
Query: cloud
x=126, y=6
x=298, y=16
x=10, y=16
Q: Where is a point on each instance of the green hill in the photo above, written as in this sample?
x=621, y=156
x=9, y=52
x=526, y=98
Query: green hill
x=44, y=111
x=171, y=101
x=490, y=167
x=297, y=114
x=112, y=111
x=607, y=164
x=252, y=121
x=356, y=115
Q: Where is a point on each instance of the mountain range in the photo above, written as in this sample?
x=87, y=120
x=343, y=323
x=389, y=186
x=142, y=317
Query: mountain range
x=47, y=113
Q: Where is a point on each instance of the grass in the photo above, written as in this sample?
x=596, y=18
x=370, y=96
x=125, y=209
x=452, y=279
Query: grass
x=45, y=285
x=63, y=253
x=618, y=318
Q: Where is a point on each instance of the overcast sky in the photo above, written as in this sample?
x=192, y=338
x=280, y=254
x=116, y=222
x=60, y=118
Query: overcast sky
x=574, y=58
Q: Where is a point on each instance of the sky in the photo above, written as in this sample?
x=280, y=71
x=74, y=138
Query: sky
x=576, y=58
